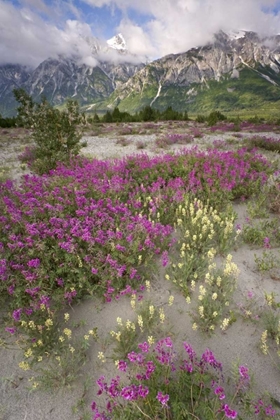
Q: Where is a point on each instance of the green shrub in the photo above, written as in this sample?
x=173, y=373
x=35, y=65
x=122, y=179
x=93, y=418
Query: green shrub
x=56, y=133
x=214, y=117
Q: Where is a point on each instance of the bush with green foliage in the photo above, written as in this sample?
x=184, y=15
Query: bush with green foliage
x=214, y=117
x=7, y=122
x=145, y=114
x=56, y=134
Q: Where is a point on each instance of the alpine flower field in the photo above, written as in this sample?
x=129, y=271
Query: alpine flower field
x=100, y=228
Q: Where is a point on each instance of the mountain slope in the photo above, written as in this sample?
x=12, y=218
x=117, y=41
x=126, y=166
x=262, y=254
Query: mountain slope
x=231, y=73
x=61, y=78
x=236, y=71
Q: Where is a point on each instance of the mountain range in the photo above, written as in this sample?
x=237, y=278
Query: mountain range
x=236, y=71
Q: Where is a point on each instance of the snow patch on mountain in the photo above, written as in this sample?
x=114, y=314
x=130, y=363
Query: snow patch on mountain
x=236, y=34
x=117, y=42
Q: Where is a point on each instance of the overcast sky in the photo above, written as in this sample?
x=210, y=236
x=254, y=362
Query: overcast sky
x=33, y=30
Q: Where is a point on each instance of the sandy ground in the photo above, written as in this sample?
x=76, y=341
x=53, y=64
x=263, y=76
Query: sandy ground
x=239, y=343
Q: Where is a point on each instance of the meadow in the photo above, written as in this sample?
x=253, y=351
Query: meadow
x=144, y=285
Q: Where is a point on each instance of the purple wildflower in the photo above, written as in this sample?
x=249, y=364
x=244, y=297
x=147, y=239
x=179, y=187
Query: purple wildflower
x=11, y=330
x=230, y=414
x=145, y=347
x=162, y=398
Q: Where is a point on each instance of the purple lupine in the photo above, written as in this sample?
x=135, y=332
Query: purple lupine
x=229, y=413
x=163, y=399
x=219, y=391
x=144, y=347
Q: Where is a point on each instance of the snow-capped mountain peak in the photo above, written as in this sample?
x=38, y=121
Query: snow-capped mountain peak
x=236, y=34
x=117, y=42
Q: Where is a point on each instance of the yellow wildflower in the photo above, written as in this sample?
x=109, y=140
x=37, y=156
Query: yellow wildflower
x=24, y=365
x=151, y=340
x=170, y=300
x=67, y=332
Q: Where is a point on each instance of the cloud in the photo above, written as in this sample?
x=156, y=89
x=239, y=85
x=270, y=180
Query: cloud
x=28, y=39
x=177, y=25
x=38, y=29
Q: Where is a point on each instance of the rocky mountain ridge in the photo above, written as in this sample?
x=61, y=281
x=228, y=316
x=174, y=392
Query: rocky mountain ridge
x=233, y=71
x=60, y=78
x=191, y=72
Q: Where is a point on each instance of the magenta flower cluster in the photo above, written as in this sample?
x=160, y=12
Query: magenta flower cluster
x=155, y=374
x=84, y=226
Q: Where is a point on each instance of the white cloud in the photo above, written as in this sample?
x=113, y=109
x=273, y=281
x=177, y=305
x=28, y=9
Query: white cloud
x=35, y=30
x=28, y=39
x=177, y=25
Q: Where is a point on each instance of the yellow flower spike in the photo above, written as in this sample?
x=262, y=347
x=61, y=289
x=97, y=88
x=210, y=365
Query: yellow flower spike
x=264, y=346
x=148, y=286
x=40, y=358
x=188, y=300
x=151, y=340
x=71, y=349
x=202, y=290
x=140, y=322
x=24, y=365
x=167, y=277
x=118, y=336
x=194, y=326
x=218, y=281
x=80, y=263
x=201, y=311
x=31, y=325
x=212, y=327
x=192, y=285
x=117, y=363
x=170, y=300
x=42, y=307
x=101, y=356
x=67, y=332
x=225, y=324
x=215, y=313
x=161, y=315
x=86, y=337
x=269, y=299
x=66, y=317
x=151, y=310
x=180, y=265
x=92, y=332
x=61, y=339
x=214, y=296
x=48, y=322
x=58, y=358
x=28, y=353
x=119, y=321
